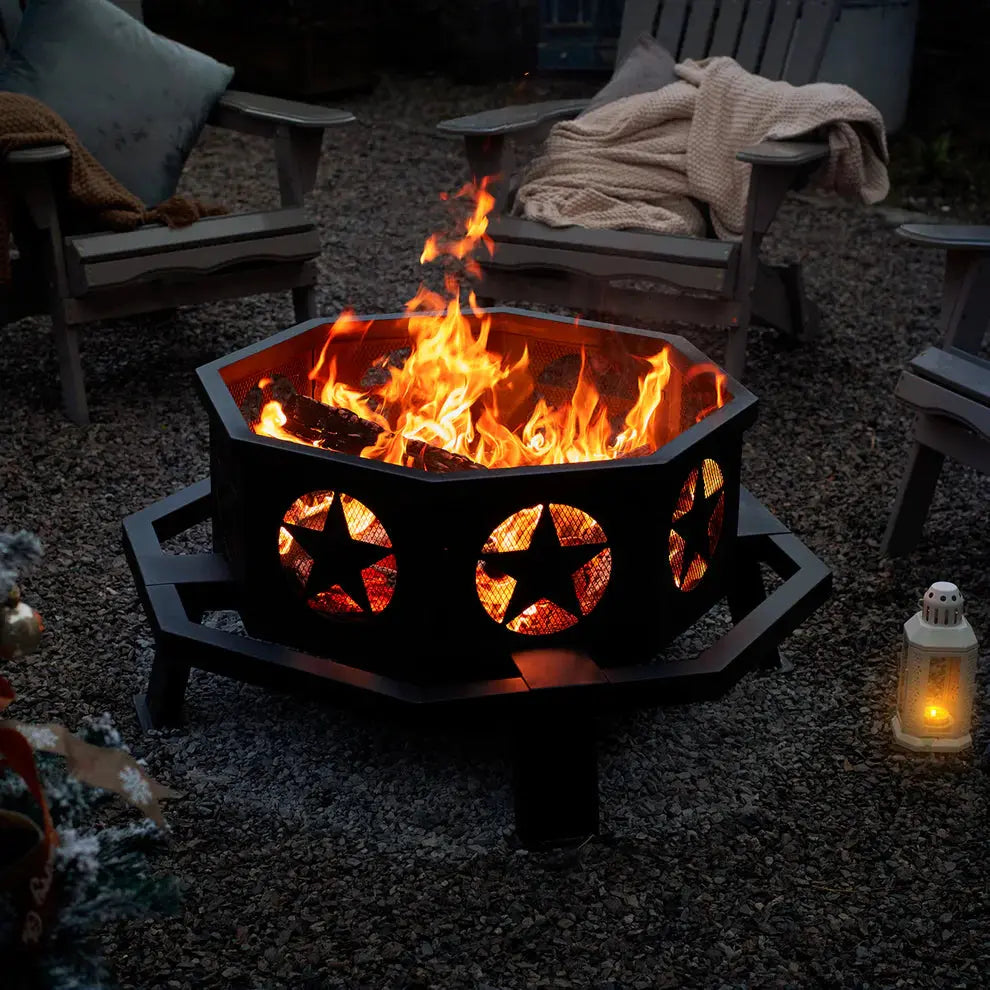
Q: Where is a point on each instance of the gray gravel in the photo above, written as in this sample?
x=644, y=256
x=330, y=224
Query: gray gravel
x=772, y=839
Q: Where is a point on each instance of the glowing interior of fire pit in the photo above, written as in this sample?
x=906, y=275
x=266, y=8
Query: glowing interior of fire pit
x=453, y=391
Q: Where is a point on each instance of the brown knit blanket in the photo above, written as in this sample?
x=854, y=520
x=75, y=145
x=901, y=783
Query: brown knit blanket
x=93, y=195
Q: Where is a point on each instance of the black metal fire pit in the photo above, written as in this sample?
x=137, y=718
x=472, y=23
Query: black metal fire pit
x=545, y=591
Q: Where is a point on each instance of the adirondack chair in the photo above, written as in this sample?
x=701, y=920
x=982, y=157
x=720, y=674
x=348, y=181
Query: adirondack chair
x=948, y=386
x=714, y=282
x=79, y=278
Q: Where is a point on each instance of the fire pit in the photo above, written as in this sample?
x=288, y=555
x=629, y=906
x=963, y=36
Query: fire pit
x=594, y=505
x=493, y=508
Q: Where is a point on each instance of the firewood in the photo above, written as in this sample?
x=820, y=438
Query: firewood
x=251, y=406
x=330, y=427
x=378, y=372
x=641, y=451
x=436, y=460
x=346, y=432
x=610, y=375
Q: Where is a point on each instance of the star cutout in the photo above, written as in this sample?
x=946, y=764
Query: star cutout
x=338, y=559
x=544, y=569
x=692, y=527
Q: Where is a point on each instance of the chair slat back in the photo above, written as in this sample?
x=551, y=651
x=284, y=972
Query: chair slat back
x=725, y=41
x=701, y=21
x=810, y=41
x=779, y=39
x=670, y=25
x=754, y=33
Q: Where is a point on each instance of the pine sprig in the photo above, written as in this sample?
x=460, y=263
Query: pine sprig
x=103, y=874
x=18, y=551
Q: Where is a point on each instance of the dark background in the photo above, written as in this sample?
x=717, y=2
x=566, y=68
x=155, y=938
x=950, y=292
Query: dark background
x=316, y=48
x=481, y=40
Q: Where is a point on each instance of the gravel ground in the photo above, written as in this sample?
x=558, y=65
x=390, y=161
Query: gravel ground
x=772, y=839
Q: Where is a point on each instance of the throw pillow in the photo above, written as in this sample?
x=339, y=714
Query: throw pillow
x=10, y=21
x=137, y=101
x=647, y=67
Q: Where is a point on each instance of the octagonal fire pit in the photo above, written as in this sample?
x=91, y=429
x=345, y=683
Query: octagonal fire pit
x=529, y=535
x=594, y=504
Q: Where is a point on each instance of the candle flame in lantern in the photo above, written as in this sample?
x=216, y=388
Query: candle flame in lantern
x=936, y=717
x=453, y=392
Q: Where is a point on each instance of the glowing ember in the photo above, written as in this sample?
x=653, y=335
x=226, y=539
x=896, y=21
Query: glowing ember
x=452, y=392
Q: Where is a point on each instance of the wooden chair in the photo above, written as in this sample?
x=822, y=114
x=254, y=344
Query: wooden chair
x=80, y=278
x=715, y=282
x=948, y=386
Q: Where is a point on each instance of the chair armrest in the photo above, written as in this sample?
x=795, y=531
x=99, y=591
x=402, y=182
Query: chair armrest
x=965, y=373
x=511, y=120
x=38, y=156
x=256, y=114
x=952, y=237
x=784, y=153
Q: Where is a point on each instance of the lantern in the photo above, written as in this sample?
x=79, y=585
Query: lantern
x=937, y=676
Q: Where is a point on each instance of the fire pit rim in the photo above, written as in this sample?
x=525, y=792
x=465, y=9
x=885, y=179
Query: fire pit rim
x=216, y=394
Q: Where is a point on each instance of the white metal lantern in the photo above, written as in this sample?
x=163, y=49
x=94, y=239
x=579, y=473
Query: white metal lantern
x=937, y=676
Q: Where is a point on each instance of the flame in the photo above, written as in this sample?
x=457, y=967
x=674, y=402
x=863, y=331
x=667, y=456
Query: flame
x=937, y=717
x=455, y=393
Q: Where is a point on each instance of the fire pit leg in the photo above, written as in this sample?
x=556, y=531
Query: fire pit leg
x=555, y=764
x=745, y=592
x=161, y=705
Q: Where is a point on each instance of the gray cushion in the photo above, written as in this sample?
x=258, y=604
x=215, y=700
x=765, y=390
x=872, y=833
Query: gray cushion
x=136, y=100
x=647, y=67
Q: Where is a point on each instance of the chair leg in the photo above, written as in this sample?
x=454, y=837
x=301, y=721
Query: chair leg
x=780, y=302
x=910, y=509
x=70, y=369
x=807, y=314
x=735, y=351
x=304, y=303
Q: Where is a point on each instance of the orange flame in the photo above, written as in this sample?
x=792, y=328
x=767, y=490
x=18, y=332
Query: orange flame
x=454, y=393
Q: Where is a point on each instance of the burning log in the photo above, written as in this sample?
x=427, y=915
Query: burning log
x=641, y=451
x=611, y=375
x=330, y=427
x=379, y=374
x=346, y=432
x=428, y=457
x=252, y=404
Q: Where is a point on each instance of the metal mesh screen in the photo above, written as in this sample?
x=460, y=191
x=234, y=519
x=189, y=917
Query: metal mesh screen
x=515, y=572
x=377, y=579
x=296, y=370
x=697, y=524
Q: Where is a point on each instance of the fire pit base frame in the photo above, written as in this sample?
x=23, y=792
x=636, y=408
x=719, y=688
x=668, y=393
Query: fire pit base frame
x=553, y=699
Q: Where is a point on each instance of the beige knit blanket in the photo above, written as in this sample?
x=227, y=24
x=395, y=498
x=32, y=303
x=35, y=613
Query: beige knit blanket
x=638, y=162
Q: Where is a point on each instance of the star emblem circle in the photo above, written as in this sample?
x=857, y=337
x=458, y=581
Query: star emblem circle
x=696, y=525
x=543, y=568
x=337, y=554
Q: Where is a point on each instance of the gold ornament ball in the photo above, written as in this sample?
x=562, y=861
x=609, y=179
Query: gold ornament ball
x=20, y=629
